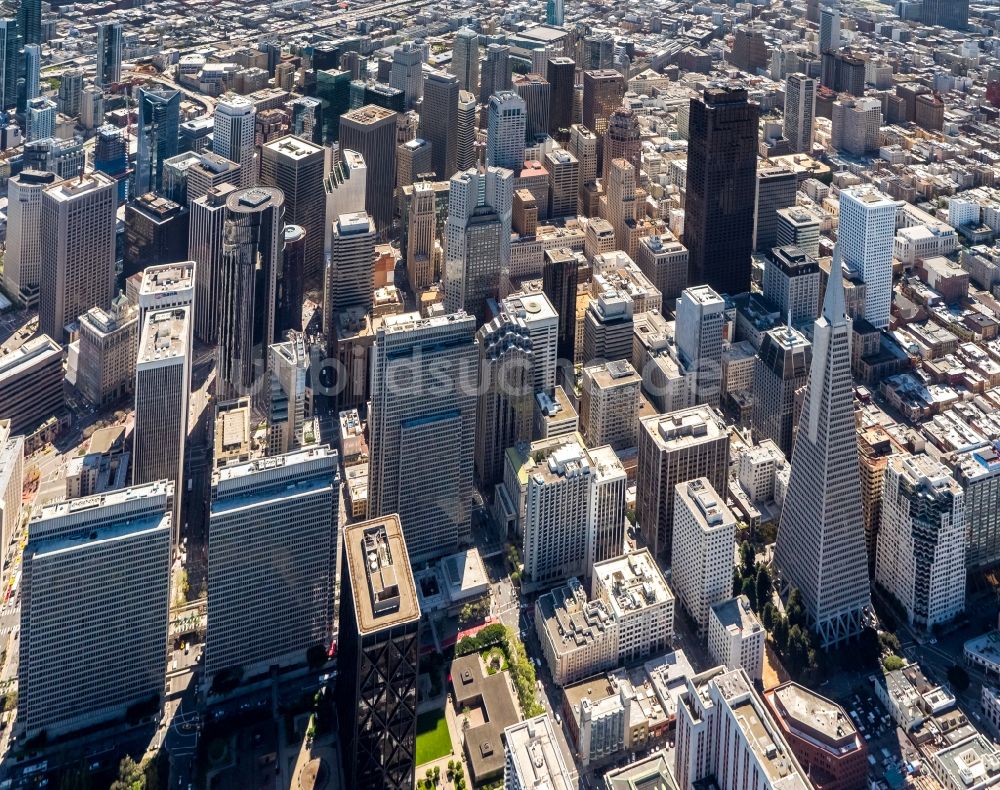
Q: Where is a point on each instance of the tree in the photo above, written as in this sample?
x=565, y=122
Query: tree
x=748, y=561
x=892, y=663
x=889, y=643
x=797, y=651
x=763, y=585
x=130, y=776
x=794, y=610
x=737, y=582
x=750, y=591
x=779, y=631
x=958, y=678
x=767, y=616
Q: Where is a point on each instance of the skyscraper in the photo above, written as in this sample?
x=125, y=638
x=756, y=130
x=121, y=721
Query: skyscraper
x=206, y=230
x=466, y=154
x=295, y=166
x=162, y=388
x=603, y=91
x=406, y=73
x=622, y=140
x=352, y=266
x=829, y=30
x=272, y=548
x=536, y=92
x=9, y=62
x=465, y=59
x=253, y=238
x=800, y=112
x=422, y=428
x=333, y=89
x=159, y=117
x=345, y=186
x=721, y=172
x=32, y=72
x=291, y=287
x=866, y=236
x=105, y=559
x=791, y=283
x=506, y=390
x=22, y=264
x=380, y=627
x=505, y=132
x=290, y=409
x=371, y=131
x=70, y=90
x=561, y=74
x=554, y=12
x=108, y=68
x=472, y=273
x=782, y=367
x=40, y=119
x=821, y=539
x=29, y=21
x=439, y=121
x=953, y=14
x=78, y=250
x=700, y=322
x=233, y=134
x=560, y=275
x=564, y=182
x=776, y=188
x=496, y=71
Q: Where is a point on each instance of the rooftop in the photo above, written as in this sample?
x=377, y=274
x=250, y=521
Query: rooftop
x=736, y=616
x=536, y=756
x=822, y=722
x=165, y=336
x=685, y=427
x=631, y=583
x=167, y=278
x=379, y=569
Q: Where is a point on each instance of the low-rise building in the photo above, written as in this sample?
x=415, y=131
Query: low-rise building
x=971, y=764
x=578, y=637
x=534, y=759
x=736, y=637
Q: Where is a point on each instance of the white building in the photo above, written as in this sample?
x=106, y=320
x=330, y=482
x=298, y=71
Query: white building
x=23, y=259
x=609, y=404
x=920, y=556
x=637, y=596
x=579, y=638
x=534, y=758
x=736, y=637
x=542, y=321
x=505, y=132
x=701, y=567
x=700, y=325
x=866, y=237
x=233, y=136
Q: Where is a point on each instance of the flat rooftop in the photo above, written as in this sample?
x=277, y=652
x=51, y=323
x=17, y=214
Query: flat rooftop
x=685, y=427
x=36, y=350
x=165, y=335
x=736, y=614
x=631, y=583
x=294, y=147
x=816, y=718
x=378, y=567
x=533, y=750
x=168, y=277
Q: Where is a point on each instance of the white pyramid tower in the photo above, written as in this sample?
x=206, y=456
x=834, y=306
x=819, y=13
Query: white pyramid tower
x=821, y=539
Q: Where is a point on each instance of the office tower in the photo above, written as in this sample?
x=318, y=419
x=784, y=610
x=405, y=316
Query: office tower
x=32, y=72
x=23, y=258
x=29, y=21
x=421, y=237
x=920, y=558
x=108, y=342
x=607, y=326
x=352, y=266
x=875, y=446
x=162, y=389
x=9, y=62
x=791, y=283
x=345, y=186
x=40, y=119
x=159, y=116
x=208, y=172
x=540, y=317
x=856, y=124
x=506, y=402
x=422, y=428
x=564, y=182
x=721, y=724
x=561, y=75
x=105, y=559
x=722, y=165
x=371, y=132
x=108, y=68
x=253, y=237
x=533, y=756
x=800, y=112
x=439, y=121
x=621, y=140
x=673, y=448
x=583, y=145
x=506, y=130
x=472, y=273
x=11, y=481
x=295, y=166
x=701, y=566
x=866, y=236
x=603, y=91
x=782, y=368
x=524, y=216
x=595, y=51
x=333, y=89
x=609, y=404
x=536, y=92
x=380, y=627
x=111, y=157
x=233, y=136
x=821, y=518
x=381, y=95
x=465, y=59
x=291, y=287
x=952, y=14
x=206, y=230
x=844, y=73
x=307, y=118
x=829, y=30
x=272, y=550
x=978, y=472
x=776, y=188
x=290, y=408
x=70, y=88
x=496, y=74
x=700, y=324
x=78, y=250
x=466, y=154
x=31, y=384
x=406, y=73
x=664, y=260
x=799, y=228
x=413, y=159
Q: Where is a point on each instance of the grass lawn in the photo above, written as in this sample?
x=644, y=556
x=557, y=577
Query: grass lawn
x=433, y=740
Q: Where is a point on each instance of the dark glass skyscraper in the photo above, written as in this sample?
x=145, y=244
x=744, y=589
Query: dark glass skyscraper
x=561, y=73
x=721, y=182
x=29, y=21
x=333, y=89
x=9, y=62
x=159, y=119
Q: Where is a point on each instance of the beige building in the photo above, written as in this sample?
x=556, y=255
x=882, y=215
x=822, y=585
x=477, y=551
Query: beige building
x=736, y=637
x=609, y=404
x=107, y=350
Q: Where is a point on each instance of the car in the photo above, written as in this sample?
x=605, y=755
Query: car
x=558, y=719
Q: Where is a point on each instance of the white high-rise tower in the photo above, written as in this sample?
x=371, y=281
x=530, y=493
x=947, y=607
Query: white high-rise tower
x=866, y=237
x=233, y=135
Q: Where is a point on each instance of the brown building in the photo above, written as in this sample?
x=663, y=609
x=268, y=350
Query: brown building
x=875, y=447
x=821, y=735
x=929, y=112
